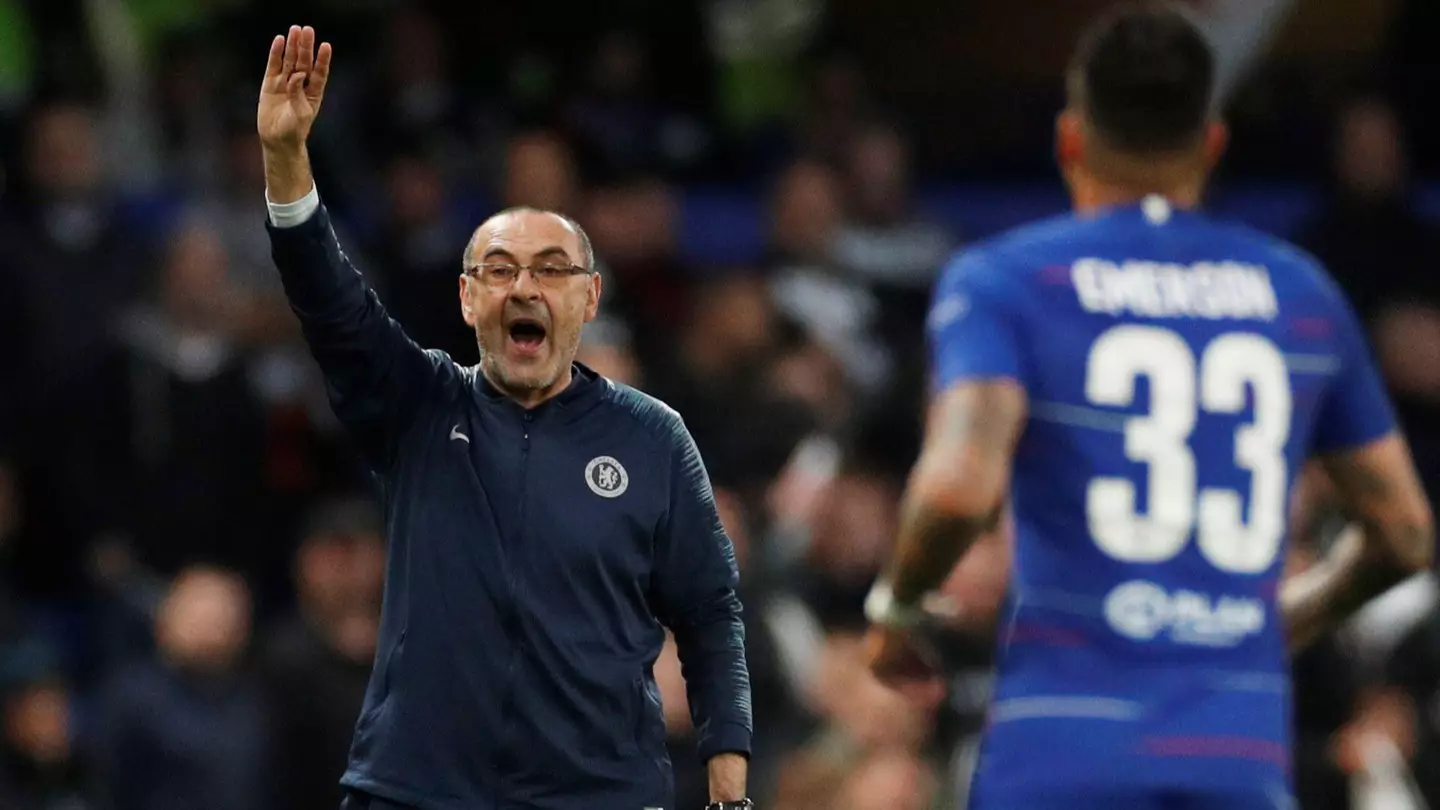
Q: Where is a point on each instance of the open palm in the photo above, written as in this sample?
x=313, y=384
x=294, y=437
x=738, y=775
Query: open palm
x=294, y=86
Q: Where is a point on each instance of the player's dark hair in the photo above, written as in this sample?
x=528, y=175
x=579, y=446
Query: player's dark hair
x=1144, y=74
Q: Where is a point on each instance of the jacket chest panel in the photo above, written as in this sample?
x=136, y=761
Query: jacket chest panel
x=578, y=497
x=591, y=506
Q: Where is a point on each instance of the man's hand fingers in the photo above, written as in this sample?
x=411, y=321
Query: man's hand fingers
x=295, y=87
x=321, y=72
x=322, y=61
x=292, y=51
x=305, y=59
x=272, y=65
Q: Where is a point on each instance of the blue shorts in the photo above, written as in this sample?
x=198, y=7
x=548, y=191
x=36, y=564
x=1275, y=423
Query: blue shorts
x=1139, y=800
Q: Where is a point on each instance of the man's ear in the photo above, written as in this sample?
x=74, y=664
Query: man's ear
x=1069, y=140
x=467, y=310
x=1217, y=139
x=592, y=301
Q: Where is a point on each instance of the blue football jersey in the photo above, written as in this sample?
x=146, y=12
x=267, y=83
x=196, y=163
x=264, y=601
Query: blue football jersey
x=1179, y=371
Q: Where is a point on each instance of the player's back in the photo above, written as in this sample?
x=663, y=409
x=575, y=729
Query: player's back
x=1176, y=370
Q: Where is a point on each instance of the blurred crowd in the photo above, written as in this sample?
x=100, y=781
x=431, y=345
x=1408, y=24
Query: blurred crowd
x=192, y=556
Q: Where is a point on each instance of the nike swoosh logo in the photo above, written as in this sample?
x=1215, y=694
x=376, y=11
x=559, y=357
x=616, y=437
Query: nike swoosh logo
x=456, y=434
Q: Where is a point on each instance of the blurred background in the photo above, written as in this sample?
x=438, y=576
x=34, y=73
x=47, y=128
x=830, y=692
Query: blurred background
x=190, y=554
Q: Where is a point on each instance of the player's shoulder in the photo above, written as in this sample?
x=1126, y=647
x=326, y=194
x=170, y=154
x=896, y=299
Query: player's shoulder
x=1012, y=251
x=1010, y=258
x=1288, y=264
x=1013, y=256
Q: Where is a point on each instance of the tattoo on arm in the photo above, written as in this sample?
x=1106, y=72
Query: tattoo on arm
x=1379, y=489
x=958, y=487
x=932, y=542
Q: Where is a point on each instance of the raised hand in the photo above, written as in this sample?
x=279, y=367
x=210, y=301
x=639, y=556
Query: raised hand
x=294, y=86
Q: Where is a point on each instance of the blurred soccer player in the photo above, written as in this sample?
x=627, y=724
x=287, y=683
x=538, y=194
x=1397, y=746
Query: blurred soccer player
x=1144, y=384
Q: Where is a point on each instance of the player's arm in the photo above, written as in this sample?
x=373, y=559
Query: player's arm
x=971, y=597
x=959, y=484
x=1375, y=483
x=1393, y=537
x=374, y=373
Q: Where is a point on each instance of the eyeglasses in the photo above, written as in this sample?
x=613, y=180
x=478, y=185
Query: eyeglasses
x=503, y=274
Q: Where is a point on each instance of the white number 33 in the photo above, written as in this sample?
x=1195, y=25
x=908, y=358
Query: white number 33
x=1161, y=440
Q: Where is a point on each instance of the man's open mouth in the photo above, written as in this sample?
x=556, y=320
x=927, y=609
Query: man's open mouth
x=527, y=333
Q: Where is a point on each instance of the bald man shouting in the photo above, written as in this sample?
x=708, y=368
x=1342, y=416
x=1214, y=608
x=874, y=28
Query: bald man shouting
x=546, y=524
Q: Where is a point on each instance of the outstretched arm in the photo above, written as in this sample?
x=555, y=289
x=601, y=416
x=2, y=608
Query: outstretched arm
x=375, y=374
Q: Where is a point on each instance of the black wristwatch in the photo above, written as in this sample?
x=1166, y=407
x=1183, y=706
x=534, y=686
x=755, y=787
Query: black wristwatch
x=739, y=804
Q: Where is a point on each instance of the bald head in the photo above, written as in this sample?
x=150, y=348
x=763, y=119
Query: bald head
x=526, y=218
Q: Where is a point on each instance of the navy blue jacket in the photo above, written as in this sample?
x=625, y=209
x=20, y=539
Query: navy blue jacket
x=534, y=557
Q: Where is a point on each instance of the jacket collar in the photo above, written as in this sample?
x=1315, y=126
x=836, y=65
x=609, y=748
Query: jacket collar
x=585, y=390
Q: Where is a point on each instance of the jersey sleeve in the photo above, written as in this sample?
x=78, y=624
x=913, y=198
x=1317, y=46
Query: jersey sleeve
x=973, y=325
x=1355, y=409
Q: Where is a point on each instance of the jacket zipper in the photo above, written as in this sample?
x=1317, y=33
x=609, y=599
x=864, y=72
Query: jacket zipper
x=513, y=621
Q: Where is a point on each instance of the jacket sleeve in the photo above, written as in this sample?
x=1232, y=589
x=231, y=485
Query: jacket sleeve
x=696, y=577
x=376, y=377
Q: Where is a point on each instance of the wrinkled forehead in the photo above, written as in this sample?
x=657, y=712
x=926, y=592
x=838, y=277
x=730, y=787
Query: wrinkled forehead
x=526, y=236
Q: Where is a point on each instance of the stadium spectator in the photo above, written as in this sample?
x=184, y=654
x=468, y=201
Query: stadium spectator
x=413, y=252
x=163, y=436
x=186, y=728
x=316, y=663
x=1384, y=254
x=835, y=309
x=41, y=766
